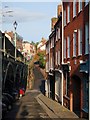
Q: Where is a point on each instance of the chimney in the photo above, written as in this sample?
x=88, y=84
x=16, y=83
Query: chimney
x=59, y=10
x=53, y=22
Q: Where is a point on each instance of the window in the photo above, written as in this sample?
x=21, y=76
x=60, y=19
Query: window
x=79, y=41
x=64, y=48
x=86, y=38
x=68, y=13
x=59, y=57
x=67, y=83
x=74, y=8
x=47, y=49
x=51, y=62
x=79, y=5
x=68, y=47
x=74, y=44
x=64, y=17
x=53, y=42
x=47, y=67
x=58, y=33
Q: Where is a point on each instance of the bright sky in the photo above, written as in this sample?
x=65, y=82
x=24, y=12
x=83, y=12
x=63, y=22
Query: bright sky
x=33, y=18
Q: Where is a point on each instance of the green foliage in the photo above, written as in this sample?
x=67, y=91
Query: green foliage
x=41, y=59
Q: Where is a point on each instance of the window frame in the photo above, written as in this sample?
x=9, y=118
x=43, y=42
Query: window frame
x=68, y=13
x=79, y=6
x=74, y=44
x=87, y=38
x=74, y=8
x=79, y=41
x=65, y=17
x=68, y=47
x=64, y=48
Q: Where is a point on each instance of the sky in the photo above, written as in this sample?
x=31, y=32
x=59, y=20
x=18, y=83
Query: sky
x=33, y=18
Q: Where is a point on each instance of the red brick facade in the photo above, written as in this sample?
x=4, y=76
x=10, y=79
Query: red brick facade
x=68, y=81
x=76, y=89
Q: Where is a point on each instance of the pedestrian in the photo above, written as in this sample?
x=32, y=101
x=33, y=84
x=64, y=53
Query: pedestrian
x=21, y=92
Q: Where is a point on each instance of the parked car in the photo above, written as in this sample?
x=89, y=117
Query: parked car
x=4, y=109
x=15, y=94
x=7, y=100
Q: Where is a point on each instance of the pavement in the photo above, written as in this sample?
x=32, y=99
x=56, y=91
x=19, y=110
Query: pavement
x=35, y=106
x=57, y=109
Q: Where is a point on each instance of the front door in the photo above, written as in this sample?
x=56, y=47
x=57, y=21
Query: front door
x=76, y=89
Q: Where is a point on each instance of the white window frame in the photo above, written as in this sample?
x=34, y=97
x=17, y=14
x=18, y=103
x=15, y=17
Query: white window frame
x=64, y=17
x=87, y=38
x=74, y=8
x=64, y=49
x=79, y=5
x=68, y=47
x=80, y=41
x=58, y=33
x=68, y=13
x=74, y=44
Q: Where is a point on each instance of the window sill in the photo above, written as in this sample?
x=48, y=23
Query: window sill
x=74, y=17
x=79, y=11
x=68, y=57
x=85, y=110
x=80, y=55
x=86, y=54
x=86, y=4
x=68, y=22
x=66, y=97
x=74, y=56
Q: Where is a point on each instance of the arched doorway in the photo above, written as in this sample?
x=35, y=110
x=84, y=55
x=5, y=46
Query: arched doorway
x=76, y=90
x=9, y=79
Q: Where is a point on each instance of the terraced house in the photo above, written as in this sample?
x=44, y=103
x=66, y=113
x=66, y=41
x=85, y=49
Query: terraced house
x=76, y=55
x=69, y=78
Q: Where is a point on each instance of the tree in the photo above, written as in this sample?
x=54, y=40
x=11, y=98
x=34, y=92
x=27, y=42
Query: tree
x=41, y=59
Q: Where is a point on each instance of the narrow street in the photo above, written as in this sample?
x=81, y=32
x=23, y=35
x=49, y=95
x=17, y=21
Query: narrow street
x=28, y=106
x=34, y=105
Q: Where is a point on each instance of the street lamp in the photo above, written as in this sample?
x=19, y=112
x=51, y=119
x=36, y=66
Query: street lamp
x=15, y=27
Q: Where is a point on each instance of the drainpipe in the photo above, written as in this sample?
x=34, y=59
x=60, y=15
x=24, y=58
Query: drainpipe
x=62, y=50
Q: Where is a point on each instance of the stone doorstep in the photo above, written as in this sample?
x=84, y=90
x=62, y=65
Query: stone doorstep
x=56, y=108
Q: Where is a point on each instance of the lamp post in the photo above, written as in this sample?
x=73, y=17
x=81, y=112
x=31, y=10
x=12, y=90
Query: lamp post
x=15, y=26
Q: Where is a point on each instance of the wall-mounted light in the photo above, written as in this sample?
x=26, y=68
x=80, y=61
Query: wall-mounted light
x=75, y=30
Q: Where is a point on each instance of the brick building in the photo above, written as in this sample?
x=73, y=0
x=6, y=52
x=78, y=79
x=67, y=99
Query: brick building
x=28, y=50
x=53, y=57
x=67, y=81
x=19, y=40
x=76, y=56
x=42, y=45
